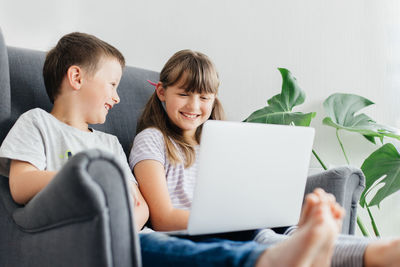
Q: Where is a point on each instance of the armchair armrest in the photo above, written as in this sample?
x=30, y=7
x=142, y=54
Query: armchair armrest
x=346, y=184
x=84, y=217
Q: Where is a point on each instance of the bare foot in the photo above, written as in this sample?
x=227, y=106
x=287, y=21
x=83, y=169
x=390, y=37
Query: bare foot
x=312, y=243
x=320, y=195
x=382, y=253
x=337, y=212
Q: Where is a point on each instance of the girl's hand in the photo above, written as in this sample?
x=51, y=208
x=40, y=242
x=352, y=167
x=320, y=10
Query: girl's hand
x=153, y=185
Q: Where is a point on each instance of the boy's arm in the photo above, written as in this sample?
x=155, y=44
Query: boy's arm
x=164, y=217
x=26, y=180
x=141, y=210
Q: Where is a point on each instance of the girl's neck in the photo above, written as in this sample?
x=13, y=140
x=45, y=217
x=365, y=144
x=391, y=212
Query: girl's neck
x=190, y=137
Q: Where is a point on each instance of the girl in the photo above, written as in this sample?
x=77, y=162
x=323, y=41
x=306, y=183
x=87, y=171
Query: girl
x=169, y=133
x=163, y=156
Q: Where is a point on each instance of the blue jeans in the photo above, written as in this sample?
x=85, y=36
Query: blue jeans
x=162, y=250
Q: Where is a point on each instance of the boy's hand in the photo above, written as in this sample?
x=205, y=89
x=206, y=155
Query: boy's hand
x=134, y=195
x=141, y=210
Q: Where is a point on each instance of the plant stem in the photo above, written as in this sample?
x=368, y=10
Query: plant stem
x=319, y=160
x=364, y=230
x=341, y=145
x=373, y=223
x=359, y=222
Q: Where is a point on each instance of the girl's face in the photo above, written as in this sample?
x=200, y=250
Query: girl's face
x=186, y=110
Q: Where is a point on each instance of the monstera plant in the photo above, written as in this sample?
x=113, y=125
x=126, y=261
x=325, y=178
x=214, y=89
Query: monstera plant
x=382, y=167
x=280, y=107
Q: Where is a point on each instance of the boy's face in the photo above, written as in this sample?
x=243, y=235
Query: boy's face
x=99, y=90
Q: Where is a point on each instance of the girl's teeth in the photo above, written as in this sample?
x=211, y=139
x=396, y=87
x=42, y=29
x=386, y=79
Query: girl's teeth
x=189, y=116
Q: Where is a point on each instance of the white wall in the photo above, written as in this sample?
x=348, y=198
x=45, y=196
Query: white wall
x=330, y=46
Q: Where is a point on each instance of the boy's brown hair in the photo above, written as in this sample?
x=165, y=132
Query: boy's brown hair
x=79, y=49
x=199, y=75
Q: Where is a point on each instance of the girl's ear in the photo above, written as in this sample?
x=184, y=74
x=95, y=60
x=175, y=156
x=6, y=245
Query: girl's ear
x=74, y=76
x=160, y=91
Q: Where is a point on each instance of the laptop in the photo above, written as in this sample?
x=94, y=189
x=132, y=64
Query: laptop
x=250, y=176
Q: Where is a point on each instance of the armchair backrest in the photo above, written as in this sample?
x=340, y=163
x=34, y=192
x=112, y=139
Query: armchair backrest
x=5, y=100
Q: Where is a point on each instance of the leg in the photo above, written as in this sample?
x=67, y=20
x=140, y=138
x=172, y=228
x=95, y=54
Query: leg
x=349, y=251
x=313, y=242
x=314, y=238
x=360, y=251
x=162, y=250
x=355, y=251
x=383, y=253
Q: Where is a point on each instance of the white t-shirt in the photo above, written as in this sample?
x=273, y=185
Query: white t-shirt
x=45, y=142
x=149, y=145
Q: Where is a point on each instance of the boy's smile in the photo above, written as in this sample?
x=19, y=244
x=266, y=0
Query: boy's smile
x=108, y=106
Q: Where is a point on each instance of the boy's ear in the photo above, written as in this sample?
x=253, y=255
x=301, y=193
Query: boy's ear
x=74, y=76
x=160, y=90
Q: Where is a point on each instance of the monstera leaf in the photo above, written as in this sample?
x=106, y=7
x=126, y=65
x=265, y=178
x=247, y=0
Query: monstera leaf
x=279, y=109
x=341, y=109
x=384, y=162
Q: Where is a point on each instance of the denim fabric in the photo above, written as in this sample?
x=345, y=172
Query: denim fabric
x=162, y=250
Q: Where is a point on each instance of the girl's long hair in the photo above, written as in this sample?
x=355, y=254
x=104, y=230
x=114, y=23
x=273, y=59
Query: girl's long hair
x=197, y=74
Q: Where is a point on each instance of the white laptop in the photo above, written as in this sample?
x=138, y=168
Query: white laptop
x=250, y=176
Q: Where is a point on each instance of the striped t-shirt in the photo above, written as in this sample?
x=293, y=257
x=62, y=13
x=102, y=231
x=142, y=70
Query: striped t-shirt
x=149, y=145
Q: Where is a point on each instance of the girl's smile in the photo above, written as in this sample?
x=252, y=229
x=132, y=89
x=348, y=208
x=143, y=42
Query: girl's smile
x=190, y=116
x=185, y=109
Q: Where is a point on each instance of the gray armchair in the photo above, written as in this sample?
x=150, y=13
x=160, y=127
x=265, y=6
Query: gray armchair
x=83, y=217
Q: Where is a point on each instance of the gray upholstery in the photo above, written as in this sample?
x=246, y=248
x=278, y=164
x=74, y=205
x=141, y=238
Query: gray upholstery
x=83, y=217
x=69, y=223
x=5, y=100
x=347, y=184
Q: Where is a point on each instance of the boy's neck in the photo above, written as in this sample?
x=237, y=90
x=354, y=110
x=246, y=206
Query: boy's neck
x=70, y=117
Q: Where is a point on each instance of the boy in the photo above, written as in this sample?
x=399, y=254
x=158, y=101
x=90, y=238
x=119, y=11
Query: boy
x=81, y=76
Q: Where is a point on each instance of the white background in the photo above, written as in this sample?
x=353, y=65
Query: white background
x=330, y=46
